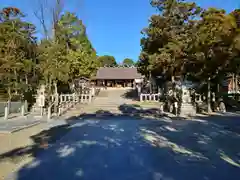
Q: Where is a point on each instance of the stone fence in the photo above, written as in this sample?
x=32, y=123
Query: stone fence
x=66, y=101
x=57, y=105
x=150, y=97
x=8, y=108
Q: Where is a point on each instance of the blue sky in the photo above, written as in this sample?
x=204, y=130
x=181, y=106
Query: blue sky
x=113, y=26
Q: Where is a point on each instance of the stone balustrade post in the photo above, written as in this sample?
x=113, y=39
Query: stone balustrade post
x=61, y=99
x=49, y=113
x=6, y=112
x=41, y=109
x=23, y=109
x=8, y=106
x=26, y=105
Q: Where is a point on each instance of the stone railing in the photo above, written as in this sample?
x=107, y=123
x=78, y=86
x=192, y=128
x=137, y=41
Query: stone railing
x=10, y=108
x=150, y=97
x=50, y=110
x=67, y=101
x=80, y=98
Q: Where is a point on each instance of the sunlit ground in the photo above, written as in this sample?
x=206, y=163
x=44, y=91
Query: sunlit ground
x=128, y=148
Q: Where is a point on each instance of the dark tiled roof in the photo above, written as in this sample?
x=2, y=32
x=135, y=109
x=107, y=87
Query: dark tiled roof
x=117, y=73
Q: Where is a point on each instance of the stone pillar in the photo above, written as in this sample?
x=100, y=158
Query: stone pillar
x=23, y=109
x=141, y=98
x=8, y=106
x=6, y=112
x=49, y=113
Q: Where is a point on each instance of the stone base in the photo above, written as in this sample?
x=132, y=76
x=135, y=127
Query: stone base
x=187, y=109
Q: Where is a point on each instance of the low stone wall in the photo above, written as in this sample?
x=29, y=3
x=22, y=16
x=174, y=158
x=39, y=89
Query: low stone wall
x=14, y=107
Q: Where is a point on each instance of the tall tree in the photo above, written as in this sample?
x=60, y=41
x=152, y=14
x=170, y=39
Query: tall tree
x=82, y=56
x=128, y=61
x=17, y=50
x=70, y=48
x=211, y=46
x=164, y=43
x=107, y=60
x=187, y=41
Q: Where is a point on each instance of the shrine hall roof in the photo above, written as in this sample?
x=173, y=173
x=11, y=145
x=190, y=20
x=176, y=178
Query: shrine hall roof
x=118, y=73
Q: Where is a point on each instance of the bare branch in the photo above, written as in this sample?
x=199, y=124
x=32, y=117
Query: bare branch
x=41, y=15
x=56, y=13
x=48, y=14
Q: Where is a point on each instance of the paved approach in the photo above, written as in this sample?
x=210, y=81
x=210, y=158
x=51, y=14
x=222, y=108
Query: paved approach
x=129, y=148
x=107, y=100
x=16, y=124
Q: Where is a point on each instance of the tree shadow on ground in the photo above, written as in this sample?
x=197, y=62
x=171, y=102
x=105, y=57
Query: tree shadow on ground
x=131, y=94
x=42, y=141
x=131, y=145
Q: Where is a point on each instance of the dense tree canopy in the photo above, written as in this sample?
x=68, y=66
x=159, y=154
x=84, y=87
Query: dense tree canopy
x=107, y=60
x=70, y=49
x=184, y=39
x=62, y=55
x=128, y=61
x=17, y=51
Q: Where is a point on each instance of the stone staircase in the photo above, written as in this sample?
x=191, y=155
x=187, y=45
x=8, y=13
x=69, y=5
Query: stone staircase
x=107, y=100
x=110, y=104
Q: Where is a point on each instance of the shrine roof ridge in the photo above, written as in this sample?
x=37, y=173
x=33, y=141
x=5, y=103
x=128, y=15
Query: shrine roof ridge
x=118, y=73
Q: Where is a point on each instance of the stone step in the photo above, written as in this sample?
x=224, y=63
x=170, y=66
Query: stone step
x=97, y=109
x=103, y=105
x=116, y=103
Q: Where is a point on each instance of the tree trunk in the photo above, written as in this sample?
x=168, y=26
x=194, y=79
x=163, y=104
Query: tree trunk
x=233, y=83
x=16, y=82
x=26, y=79
x=150, y=81
x=9, y=93
x=236, y=83
x=209, y=96
x=55, y=87
x=56, y=97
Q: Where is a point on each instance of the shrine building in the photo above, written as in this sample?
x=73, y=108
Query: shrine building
x=117, y=77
